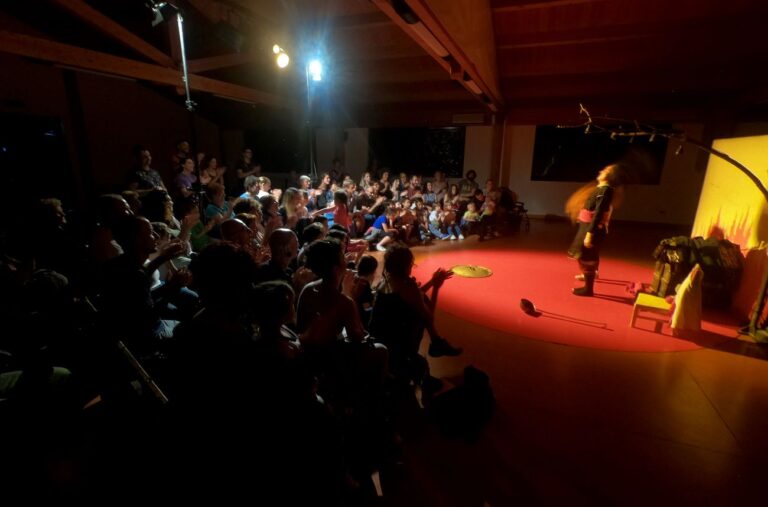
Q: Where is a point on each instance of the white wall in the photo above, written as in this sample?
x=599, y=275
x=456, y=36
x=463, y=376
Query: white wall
x=328, y=145
x=348, y=145
x=478, y=152
x=672, y=201
x=356, y=152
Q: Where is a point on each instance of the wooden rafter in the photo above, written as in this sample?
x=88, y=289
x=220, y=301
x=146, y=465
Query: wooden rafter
x=232, y=11
x=434, y=25
x=524, y=5
x=220, y=62
x=114, y=30
x=387, y=9
x=65, y=54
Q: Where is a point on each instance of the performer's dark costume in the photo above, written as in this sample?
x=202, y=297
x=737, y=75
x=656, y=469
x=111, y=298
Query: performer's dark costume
x=593, y=218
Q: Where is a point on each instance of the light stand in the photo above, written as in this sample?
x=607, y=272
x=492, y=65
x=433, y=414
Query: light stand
x=184, y=73
x=163, y=12
x=310, y=131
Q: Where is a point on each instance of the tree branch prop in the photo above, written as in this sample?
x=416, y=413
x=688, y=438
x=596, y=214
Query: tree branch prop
x=633, y=129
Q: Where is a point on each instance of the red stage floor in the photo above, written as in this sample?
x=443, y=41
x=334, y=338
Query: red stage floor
x=546, y=278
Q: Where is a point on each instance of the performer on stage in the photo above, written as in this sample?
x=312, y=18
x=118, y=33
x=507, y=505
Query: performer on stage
x=593, y=217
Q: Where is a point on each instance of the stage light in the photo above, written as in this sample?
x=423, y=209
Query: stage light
x=282, y=59
x=162, y=11
x=315, y=69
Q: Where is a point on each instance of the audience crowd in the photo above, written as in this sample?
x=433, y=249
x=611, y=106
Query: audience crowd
x=193, y=337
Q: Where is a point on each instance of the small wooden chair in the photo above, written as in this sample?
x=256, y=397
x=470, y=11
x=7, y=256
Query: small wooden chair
x=650, y=303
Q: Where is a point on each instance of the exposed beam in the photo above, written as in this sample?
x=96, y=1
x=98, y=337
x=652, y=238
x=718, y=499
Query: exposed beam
x=64, y=54
x=220, y=62
x=653, y=55
x=575, y=12
x=386, y=7
x=724, y=27
x=381, y=41
x=487, y=81
x=216, y=11
x=682, y=80
x=454, y=67
x=525, y=5
x=114, y=30
x=571, y=41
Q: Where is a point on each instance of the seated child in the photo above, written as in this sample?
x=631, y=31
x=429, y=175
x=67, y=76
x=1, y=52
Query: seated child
x=362, y=292
x=420, y=212
x=436, y=221
x=470, y=219
x=339, y=209
x=383, y=230
x=488, y=221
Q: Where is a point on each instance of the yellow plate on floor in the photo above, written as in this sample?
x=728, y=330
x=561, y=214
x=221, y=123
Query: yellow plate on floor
x=471, y=271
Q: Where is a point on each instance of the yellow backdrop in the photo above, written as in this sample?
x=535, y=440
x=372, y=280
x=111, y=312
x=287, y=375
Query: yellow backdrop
x=730, y=201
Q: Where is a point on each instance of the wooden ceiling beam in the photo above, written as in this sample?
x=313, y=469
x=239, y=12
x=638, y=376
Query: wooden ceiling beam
x=522, y=43
x=64, y=54
x=685, y=80
x=469, y=45
x=221, y=61
x=527, y=5
x=386, y=7
x=456, y=64
x=652, y=55
x=231, y=12
x=114, y=30
x=725, y=27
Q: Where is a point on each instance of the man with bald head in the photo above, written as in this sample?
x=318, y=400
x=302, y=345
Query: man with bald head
x=235, y=231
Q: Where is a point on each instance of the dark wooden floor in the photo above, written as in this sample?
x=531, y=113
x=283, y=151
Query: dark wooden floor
x=583, y=426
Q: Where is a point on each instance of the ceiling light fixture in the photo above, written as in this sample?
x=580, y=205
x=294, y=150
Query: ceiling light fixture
x=281, y=57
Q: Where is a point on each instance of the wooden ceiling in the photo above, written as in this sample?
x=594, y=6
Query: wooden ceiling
x=668, y=59
x=649, y=59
